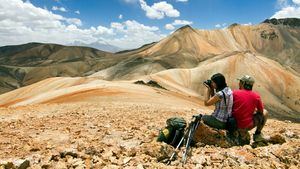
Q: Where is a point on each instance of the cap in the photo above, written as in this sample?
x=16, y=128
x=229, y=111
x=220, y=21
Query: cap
x=247, y=80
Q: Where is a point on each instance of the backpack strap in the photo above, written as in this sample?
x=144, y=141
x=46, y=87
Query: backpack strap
x=224, y=97
x=175, y=138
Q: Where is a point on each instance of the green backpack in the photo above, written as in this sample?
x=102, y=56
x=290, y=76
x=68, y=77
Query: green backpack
x=173, y=132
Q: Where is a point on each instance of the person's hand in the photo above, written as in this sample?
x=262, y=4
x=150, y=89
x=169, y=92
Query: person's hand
x=206, y=85
x=197, y=116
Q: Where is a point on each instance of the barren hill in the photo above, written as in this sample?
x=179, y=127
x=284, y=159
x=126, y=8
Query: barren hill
x=268, y=52
x=26, y=64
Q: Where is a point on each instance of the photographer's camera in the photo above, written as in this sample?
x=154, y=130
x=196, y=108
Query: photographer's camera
x=207, y=82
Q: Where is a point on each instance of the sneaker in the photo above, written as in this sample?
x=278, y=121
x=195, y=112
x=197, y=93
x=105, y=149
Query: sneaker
x=259, y=137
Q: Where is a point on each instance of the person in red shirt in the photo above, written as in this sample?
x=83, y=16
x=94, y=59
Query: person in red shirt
x=248, y=109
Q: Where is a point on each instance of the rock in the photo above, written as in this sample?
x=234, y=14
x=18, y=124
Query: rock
x=21, y=164
x=259, y=144
x=107, y=154
x=45, y=166
x=34, y=149
x=111, y=167
x=277, y=139
x=158, y=150
x=294, y=167
x=71, y=152
x=140, y=166
x=55, y=157
x=35, y=159
x=129, y=143
x=131, y=152
x=210, y=136
x=61, y=165
x=78, y=163
x=241, y=156
x=198, y=166
x=114, y=160
x=126, y=160
x=93, y=151
x=99, y=165
x=290, y=134
x=217, y=157
x=5, y=164
x=88, y=163
x=199, y=159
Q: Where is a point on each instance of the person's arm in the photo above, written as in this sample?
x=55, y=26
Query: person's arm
x=259, y=106
x=208, y=101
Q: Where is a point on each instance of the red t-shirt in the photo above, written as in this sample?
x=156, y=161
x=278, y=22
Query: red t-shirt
x=245, y=102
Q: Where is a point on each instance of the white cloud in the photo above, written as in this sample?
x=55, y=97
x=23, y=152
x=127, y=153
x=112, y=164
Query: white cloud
x=177, y=22
x=218, y=26
x=120, y=16
x=182, y=22
x=159, y=10
x=223, y=25
x=288, y=10
x=169, y=27
x=182, y=0
x=247, y=24
x=62, y=9
x=132, y=33
x=296, y=2
x=78, y=12
x=130, y=1
x=22, y=22
x=74, y=21
x=282, y=3
x=117, y=26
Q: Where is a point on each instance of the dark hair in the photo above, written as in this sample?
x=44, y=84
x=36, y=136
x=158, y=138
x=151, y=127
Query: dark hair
x=219, y=79
x=247, y=86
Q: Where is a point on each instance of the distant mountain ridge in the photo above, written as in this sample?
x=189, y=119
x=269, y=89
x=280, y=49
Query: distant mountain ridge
x=23, y=65
x=97, y=45
x=294, y=22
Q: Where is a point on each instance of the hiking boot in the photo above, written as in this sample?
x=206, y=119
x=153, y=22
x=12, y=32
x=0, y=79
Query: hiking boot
x=259, y=138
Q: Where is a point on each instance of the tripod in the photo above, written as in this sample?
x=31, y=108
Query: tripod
x=188, y=137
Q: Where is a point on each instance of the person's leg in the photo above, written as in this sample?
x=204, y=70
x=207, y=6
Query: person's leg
x=259, y=122
x=211, y=121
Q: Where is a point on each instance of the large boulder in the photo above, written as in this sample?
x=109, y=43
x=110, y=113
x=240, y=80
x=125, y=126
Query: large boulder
x=210, y=136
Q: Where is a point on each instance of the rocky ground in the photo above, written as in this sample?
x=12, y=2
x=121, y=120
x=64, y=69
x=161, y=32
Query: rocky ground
x=122, y=135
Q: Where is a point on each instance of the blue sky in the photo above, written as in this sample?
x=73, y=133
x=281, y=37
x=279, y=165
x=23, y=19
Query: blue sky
x=204, y=14
x=127, y=23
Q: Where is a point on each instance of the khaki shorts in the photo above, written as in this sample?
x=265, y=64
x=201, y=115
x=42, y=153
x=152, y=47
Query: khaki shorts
x=258, y=119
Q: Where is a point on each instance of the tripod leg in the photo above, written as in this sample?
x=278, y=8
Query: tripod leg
x=190, y=137
x=173, y=154
x=187, y=144
x=179, y=144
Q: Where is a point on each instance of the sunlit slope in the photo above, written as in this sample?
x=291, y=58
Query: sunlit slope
x=278, y=87
x=70, y=90
x=187, y=47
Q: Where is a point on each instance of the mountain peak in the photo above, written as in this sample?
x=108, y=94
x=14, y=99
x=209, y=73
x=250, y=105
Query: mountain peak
x=233, y=25
x=293, y=22
x=185, y=28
